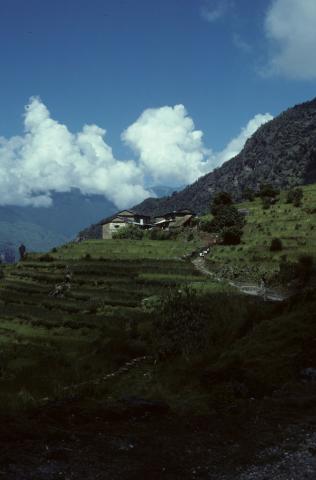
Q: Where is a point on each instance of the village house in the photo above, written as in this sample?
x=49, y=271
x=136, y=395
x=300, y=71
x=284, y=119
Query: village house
x=121, y=219
x=175, y=219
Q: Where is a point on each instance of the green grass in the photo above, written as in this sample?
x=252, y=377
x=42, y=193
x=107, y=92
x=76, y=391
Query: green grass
x=126, y=249
x=48, y=343
x=296, y=227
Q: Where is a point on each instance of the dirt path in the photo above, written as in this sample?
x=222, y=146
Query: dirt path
x=247, y=288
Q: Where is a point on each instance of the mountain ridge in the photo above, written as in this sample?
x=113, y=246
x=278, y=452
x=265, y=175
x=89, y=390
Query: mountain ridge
x=281, y=152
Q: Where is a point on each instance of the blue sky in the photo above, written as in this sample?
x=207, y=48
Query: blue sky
x=105, y=62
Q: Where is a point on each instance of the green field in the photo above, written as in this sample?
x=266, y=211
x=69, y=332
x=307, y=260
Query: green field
x=126, y=249
x=295, y=226
x=112, y=313
x=48, y=343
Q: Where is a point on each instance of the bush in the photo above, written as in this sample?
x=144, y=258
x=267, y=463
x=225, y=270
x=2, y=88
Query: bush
x=206, y=226
x=249, y=194
x=295, y=196
x=276, y=245
x=130, y=232
x=158, y=234
x=220, y=200
x=267, y=190
x=297, y=273
x=180, y=324
x=266, y=203
x=231, y=235
x=227, y=216
x=46, y=258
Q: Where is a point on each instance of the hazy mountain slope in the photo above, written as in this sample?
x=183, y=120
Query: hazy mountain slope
x=33, y=236
x=282, y=152
x=42, y=228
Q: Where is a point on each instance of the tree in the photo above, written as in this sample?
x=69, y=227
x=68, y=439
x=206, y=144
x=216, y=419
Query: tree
x=276, y=245
x=227, y=216
x=267, y=190
x=220, y=200
x=268, y=195
x=295, y=196
x=249, y=194
x=231, y=235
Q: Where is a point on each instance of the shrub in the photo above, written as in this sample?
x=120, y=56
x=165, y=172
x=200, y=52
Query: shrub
x=295, y=196
x=180, y=323
x=249, y=194
x=220, y=200
x=206, y=225
x=158, y=234
x=46, y=258
x=267, y=190
x=231, y=235
x=276, y=245
x=130, y=232
x=227, y=216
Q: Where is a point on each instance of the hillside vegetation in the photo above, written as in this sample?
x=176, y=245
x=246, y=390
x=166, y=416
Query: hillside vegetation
x=294, y=226
x=199, y=344
x=49, y=342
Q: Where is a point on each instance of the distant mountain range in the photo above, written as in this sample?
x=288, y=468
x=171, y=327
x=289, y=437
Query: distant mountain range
x=281, y=152
x=41, y=228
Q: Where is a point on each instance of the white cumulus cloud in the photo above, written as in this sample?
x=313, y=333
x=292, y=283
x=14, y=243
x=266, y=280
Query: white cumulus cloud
x=290, y=27
x=169, y=148
x=237, y=143
x=49, y=157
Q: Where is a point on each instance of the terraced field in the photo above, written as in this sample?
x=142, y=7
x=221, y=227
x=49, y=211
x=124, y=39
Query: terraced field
x=49, y=341
x=294, y=226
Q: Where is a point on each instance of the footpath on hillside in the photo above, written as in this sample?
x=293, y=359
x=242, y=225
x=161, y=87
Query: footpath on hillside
x=246, y=288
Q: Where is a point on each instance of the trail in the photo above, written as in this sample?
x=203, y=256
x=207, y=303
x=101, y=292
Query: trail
x=246, y=288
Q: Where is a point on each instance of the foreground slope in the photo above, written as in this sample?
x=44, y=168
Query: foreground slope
x=100, y=383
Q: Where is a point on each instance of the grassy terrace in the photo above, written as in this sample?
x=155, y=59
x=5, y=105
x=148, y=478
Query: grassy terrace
x=47, y=342
x=126, y=249
x=296, y=227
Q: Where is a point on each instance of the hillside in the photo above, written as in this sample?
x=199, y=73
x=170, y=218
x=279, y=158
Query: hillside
x=294, y=226
x=282, y=152
x=143, y=353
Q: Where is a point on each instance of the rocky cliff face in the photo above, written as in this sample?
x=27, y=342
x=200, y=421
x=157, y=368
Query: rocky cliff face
x=282, y=152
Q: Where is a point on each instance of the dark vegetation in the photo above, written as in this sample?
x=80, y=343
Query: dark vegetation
x=276, y=245
x=226, y=221
x=234, y=344
x=203, y=349
x=295, y=196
